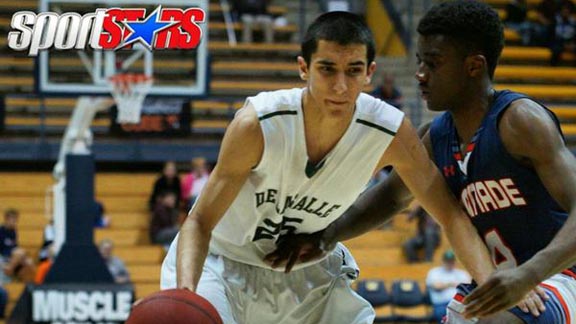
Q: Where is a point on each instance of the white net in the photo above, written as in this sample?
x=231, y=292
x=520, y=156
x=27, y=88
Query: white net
x=129, y=92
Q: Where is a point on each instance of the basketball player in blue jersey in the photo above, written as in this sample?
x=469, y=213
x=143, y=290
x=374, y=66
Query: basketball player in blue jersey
x=291, y=162
x=503, y=156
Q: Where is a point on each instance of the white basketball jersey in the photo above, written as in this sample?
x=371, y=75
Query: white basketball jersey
x=285, y=193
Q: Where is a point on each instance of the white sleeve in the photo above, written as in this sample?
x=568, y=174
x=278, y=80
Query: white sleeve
x=431, y=277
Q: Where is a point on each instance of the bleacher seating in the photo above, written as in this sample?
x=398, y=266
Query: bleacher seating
x=124, y=197
x=376, y=293
x=542, y=74
x=255, y=48
x=19, y=5
x=283, y=33
x=408, y=301
x=544, y=92
x=522, y=54
x=527, y=69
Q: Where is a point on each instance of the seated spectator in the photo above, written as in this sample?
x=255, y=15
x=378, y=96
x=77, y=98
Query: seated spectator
x=334, y=5
x=15, y=260
x=388, y=92
x=3, y=301
x=546, y=17
x=194, y=182
x=427, y=237
x=44, y=265
x=253, y=13
x=48, y=239
x=164, y=222
x=116, y=266
x=516, y=19
x=564, y=34
x=101, y=220
x=168, y=181
x=442, y=282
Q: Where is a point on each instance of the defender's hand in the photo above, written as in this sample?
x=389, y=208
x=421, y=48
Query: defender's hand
x=534, y=302
x=503, y=290
x=294, y=248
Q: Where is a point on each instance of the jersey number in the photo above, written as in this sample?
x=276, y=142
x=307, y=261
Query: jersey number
x=271, y=229
x=502, y=256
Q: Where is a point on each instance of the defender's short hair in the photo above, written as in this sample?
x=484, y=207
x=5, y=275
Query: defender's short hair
x=472, y=25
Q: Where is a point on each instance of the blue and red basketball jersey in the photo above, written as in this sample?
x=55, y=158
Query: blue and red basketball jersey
x=507, y=202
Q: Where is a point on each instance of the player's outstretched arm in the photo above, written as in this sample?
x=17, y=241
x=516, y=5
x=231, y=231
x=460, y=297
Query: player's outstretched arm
x=530, y=135
x=411, y=160
x=373, y=208
x=240, y=151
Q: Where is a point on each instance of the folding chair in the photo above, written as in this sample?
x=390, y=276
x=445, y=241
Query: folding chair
x=407, y=296
x=375, y=292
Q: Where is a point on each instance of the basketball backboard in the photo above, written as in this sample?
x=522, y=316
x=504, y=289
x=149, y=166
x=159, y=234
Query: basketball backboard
x=176, y=72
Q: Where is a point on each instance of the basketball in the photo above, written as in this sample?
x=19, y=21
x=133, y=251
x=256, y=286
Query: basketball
x=174, y=306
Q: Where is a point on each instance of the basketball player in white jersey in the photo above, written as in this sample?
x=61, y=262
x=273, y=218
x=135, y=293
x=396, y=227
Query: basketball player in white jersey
x=291, y=162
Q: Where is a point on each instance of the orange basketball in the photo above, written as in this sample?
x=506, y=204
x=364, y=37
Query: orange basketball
x=174, y=306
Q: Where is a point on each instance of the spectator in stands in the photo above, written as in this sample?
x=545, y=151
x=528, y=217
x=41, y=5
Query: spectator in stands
x=164, y=222
x=427, y=237
x=116, y=266
x=102, y=220
x=564, y=33
x=334, y=5
x=442, y=282
x=253, y=13
x=194, y=181
x=48, y=239
x=517, y=19
x=15, y=260
x=44, y=265
x=46, y=253
x=3, y=301
x=168, y=181
x=546, y=16
x=388, y=92
x=357, y=7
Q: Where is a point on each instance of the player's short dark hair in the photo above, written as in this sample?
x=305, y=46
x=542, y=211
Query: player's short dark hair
x=472, y=25
x=341, y=27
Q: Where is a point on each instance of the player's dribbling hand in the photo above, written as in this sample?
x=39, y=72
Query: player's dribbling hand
x=296, y=248
x=503, y=290
x=534, y=301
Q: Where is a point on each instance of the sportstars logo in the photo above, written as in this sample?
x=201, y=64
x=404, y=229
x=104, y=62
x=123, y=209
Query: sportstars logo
x=108, y=29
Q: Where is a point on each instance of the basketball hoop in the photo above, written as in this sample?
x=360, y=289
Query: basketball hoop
x=129, y=91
